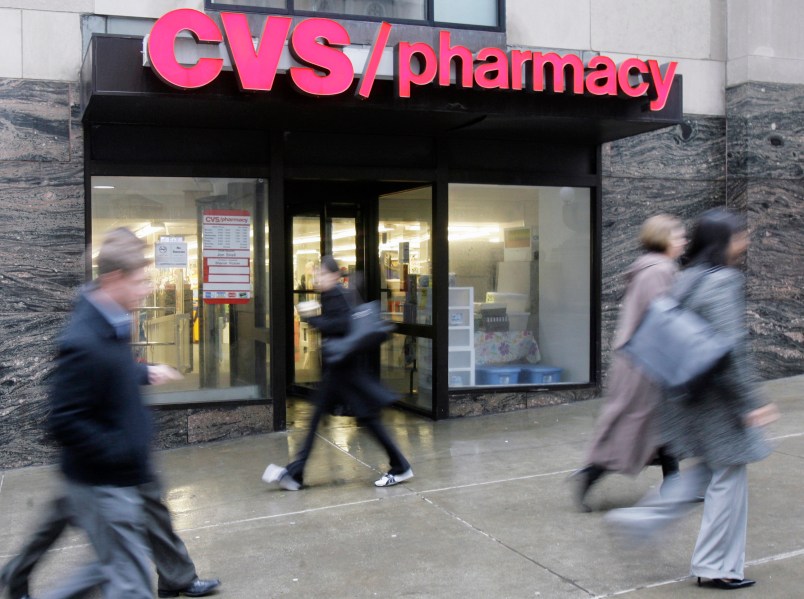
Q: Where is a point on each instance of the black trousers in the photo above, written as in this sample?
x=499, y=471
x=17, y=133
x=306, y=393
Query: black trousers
x=174, y=567
x=354, y=386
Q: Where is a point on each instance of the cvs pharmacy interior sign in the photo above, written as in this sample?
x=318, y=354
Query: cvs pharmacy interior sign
x=318, y=57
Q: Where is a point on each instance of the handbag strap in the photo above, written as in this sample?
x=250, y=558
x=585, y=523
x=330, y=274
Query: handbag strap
x=685, y=293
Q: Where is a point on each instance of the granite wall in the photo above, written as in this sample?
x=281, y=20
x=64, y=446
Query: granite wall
x=679, y=170
x=41, y=247
x=42, y=263
x=765, y=164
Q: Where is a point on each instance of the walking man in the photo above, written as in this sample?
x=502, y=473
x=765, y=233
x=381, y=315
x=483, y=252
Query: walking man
x=102, y=425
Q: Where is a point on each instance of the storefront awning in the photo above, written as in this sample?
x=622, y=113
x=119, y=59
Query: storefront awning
x=117, y=88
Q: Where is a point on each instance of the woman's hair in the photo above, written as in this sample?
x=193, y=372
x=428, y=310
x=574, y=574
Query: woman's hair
x=711, y=236
x=656, y=232
x=121, y=250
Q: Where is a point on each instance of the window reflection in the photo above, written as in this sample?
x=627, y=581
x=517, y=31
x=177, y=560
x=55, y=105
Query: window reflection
x=520, y=292
x=467, y=12
x=406, y=287
x=210, y=341
x=379, y=9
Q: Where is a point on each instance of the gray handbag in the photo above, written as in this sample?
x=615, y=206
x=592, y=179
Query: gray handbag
x=367, y=331
x=676, y=347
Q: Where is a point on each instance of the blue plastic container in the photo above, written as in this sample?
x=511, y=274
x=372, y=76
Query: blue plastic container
x=497, y=375
x=539, y=374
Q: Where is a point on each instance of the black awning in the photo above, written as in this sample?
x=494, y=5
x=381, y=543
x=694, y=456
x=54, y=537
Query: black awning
x=117, y=88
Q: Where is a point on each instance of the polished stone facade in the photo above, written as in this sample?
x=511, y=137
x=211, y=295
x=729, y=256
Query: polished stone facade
x=754, y=164
x=765, y=164
x=41, y=265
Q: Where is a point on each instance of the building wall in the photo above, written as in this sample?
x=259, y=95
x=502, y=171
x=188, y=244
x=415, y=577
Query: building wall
x=765, y=176
x=739, y=146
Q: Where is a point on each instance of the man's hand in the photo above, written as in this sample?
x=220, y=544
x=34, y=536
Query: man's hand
x=762, y=416
x=159, y=374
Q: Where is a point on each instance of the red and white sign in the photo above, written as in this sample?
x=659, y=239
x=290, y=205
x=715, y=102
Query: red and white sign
x=321, y=64
x=226, y=251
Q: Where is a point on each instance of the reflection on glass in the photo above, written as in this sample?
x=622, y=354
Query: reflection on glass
x=520, y=292
x=405, y=260
x=306, y=243
x=406, y=366
x=405, y=223
x=380, y=9
x=468, y=12
x=282, y=4
x=344, y=246
x=212, y=345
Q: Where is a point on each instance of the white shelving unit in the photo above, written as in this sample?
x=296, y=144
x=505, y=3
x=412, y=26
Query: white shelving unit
x=461, y=367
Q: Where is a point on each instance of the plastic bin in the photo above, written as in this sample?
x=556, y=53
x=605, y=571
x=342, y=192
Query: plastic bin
x=539, y=374
x=497, y=375
x=518, y=321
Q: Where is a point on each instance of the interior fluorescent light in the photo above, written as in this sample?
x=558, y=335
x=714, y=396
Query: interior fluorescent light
x=103, y=187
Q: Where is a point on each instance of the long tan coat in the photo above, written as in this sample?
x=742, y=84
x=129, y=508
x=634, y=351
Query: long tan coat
x=626, y=434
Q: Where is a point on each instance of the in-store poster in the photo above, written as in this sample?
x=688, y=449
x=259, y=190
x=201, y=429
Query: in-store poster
x=226, y=252
x=170, y=252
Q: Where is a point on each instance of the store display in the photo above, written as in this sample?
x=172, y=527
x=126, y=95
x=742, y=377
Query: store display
x=461, y=365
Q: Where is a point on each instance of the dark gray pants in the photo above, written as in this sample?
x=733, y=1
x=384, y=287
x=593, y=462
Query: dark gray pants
x=114, y=520
x=173, y=564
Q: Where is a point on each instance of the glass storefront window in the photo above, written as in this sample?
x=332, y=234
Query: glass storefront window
x=405, y=259
x=520, y=285
x=406, y=293
x=379, y=9
x=224, y=4
x=467, y=12
x=209, y=302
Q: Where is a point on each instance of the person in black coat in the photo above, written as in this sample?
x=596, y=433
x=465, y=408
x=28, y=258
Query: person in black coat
x=105, y=430
x=348, y=383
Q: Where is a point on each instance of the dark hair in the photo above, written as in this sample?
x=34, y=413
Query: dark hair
x=329, y=264
x=711, y=235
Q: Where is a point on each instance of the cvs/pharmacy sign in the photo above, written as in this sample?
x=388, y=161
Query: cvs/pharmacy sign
x=319, y=59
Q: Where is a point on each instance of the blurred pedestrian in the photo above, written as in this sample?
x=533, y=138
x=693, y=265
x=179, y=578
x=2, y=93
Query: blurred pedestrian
x=101, y=423
x=626, y=435
x=719, y=424
x=176, y=573
x=349, y=383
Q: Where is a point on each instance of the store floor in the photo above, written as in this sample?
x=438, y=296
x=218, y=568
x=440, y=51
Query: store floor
x=488, y=514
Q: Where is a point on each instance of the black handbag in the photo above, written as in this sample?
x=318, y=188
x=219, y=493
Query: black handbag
x=676, y=347
x=367, y=331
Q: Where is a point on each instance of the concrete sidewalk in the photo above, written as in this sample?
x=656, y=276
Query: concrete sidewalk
x=488, y=514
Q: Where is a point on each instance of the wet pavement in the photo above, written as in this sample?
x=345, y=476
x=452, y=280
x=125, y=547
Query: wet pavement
x=488, y=514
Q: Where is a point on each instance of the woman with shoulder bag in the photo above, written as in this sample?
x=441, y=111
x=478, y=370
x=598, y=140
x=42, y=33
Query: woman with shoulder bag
x=719, y=424
x=626, y=436
x=348, y=382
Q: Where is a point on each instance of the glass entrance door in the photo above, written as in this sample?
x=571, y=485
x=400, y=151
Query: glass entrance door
x=380, y=234
x=317, y=229
x=406, y=292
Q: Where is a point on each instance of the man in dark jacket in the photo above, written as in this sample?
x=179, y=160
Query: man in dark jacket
x=99, y=419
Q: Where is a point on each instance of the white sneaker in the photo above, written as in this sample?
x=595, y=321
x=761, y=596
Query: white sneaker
x=273, y=473
x=279, y=475
x=389, y=480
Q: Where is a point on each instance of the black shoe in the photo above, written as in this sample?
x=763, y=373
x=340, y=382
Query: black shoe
x=198, y=588
x=727, y=584
x=586, y=477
